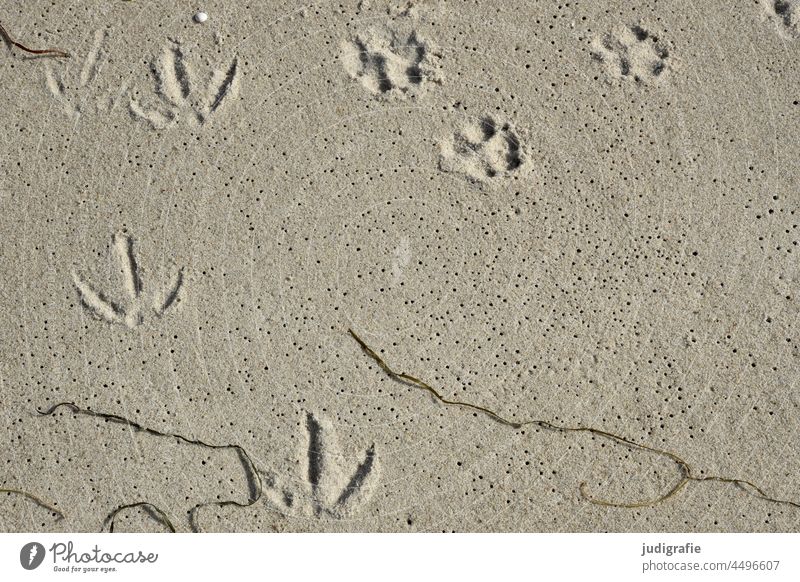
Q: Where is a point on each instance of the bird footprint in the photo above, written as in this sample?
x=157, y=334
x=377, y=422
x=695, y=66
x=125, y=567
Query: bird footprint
x=327, y=491
x=132, y=314
x=78, y=93
x=180, y=93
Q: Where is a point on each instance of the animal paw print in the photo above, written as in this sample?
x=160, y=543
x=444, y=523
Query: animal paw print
x=631, y=52
x=132, y=314
x=389, y=64
x=77, y=94
x=484, y=150
x=786, y=14
x=327, y=491
x=180, y=94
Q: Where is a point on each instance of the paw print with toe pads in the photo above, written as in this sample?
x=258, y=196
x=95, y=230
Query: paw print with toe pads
x=391, y=64
x=484, y=151
x=632, y=53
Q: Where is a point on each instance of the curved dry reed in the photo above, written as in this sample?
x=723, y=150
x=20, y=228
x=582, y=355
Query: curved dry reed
x=685, y=468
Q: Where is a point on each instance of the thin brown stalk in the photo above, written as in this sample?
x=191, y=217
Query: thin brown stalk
x=36, y=500
x=47, y=52
x=684, y=467
x=249, y=466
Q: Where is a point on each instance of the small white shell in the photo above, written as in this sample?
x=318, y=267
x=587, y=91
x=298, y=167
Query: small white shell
x=200, y=17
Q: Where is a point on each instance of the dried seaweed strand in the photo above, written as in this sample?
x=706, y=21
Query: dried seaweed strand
x=162, y=516
x=685, y=468
x=247, y=462
x=36, y=500
x=48, y=52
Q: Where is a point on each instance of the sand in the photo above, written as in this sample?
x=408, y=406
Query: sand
x=583, y=213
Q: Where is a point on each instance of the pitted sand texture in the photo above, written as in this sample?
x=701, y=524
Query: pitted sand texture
x=400, y=266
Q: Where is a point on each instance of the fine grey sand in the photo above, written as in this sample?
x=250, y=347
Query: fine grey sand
x=583, y=213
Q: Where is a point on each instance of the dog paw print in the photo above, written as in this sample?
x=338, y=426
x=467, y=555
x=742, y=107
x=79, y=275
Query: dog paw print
x=77, y=92
x=387, y=63
x=483, y=151
x=326, y=490
x=631, y=52
x=180, y=94
x=133, y=312
x=785, y=14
